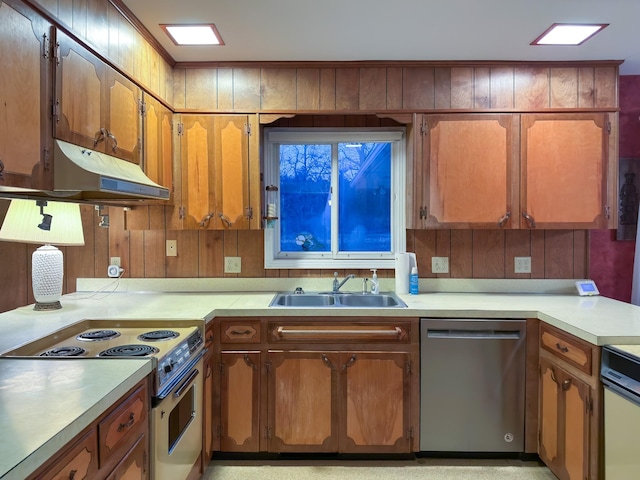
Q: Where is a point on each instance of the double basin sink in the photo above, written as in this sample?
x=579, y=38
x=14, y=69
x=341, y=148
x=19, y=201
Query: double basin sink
x=337, y=300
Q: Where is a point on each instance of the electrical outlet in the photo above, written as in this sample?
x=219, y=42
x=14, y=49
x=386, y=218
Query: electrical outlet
x=115, y=261
x=172, y=248
x=522, y=264
x=232, y=264
x=439, y=264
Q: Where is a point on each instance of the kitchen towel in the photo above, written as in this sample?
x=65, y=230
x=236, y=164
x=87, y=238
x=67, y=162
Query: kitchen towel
x=404, y=263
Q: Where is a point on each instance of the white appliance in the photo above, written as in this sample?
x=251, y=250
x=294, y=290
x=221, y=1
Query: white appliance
x=620, y=376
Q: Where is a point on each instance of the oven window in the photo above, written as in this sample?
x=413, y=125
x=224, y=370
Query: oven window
x=181, y=416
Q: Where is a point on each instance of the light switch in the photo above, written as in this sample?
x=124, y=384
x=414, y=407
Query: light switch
x=172, y=248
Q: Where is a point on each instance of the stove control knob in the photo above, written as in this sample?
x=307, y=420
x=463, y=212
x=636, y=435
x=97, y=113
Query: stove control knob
x=168, y=367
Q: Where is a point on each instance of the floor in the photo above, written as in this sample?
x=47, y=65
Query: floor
x=421, y=468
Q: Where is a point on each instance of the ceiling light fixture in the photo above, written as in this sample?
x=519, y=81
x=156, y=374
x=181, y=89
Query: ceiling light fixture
x=568, y=33
x=181, y=35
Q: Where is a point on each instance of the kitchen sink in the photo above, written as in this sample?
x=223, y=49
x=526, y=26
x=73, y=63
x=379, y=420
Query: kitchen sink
x=337, y=300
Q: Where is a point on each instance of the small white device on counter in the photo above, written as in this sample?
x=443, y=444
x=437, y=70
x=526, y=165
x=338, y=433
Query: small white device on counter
x=114, y=271
x=587, y=288
x=404, y=263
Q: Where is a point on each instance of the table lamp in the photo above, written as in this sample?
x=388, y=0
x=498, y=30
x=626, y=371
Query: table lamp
x=44, y=222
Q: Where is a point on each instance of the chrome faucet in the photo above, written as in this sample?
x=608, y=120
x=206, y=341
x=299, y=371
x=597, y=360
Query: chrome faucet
x=337, y=284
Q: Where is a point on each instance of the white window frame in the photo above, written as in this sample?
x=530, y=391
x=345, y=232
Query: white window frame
x=274, y=137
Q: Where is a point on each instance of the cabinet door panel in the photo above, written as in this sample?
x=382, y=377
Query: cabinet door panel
x=576, y=396
x=158, y=142
x=302, y=402
x=240, y=402
x=24, y=83
x=469, y=161
x=376, y=393
x=123, y=118
x=549, y=424
x=564, y=169
x=79, y=95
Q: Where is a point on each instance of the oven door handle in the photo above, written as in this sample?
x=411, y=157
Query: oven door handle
x=187, y=383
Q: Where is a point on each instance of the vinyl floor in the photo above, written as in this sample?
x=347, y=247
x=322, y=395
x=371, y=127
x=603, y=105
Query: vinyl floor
x=418, y=469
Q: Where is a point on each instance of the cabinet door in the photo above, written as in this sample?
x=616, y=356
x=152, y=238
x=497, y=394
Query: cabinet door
x=123, y=118
x=564, y=170
x=207, y=410
x=469, y=175
x=375, y=402
x=79, y=100
x=79, y=463
x=25, y=44
x=240, y=402
x=215, y=170
x=135, y=465
x=302, y=402
x=158, y=142
x=564, y=422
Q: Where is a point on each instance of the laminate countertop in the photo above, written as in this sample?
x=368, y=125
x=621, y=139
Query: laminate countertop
x=36, y=422
x=45, y=403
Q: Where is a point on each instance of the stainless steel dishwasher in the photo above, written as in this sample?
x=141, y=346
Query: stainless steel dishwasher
x=472, y=380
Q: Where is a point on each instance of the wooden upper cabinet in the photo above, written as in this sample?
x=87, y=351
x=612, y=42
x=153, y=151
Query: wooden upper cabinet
x=25, y=49
x=468, y=176
x=158, y=142
x=219, y=166
x=95, y=106
x=564, y=171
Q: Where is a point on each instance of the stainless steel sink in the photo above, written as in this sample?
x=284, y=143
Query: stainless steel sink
x=337, y=300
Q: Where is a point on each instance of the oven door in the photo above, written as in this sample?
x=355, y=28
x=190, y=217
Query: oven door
x=176, y=428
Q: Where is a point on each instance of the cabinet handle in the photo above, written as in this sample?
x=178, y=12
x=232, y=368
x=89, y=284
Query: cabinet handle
x=100, y=136
x=225, y=220
x=205, y=220
x=553, y=376
x=326, y=361
x=351, y=361
x=1, y=168
x=562, y=348
x=115, y=141
x=395, y=332
x=131, y=421
x=566, y=385
x=530, y=220
x=249, y=363
x=240, y=332
x=72, y=474
x=504, y=219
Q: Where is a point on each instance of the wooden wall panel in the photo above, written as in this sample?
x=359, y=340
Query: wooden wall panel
x=558, y=253
x=564, y=87
x=373, y=89
x=606, y=86
x=394, y=88
x=531, y=88
x=461, y=259
x=537, y=254
x=185, y=264
x=308, y=88
x=488, y=254
x=347, y=88
x=278, y=88
x=79, y=17
x=225, y=88
x=201, y=90
x=418, y=88
x=442, y=90
x=502, y=87
x=327, y=89
x=482, y=88
x=246, y=89
x=97, y=25
x=586, y=87
x=517, y=244
x=210, y=253
x=462, y=92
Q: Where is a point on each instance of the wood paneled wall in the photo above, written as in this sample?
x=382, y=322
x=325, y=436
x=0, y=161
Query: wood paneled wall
x=380, y=87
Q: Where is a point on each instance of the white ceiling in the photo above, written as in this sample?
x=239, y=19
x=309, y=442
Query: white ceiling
x=340, y=30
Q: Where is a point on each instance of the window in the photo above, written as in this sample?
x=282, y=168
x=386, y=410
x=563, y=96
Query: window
x=338, y=196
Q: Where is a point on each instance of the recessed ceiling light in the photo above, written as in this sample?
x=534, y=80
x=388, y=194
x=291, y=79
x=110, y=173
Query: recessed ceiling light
x=193, y=34
x=568, y=33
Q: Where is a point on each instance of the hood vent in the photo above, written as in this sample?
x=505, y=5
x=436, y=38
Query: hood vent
x=85, y=174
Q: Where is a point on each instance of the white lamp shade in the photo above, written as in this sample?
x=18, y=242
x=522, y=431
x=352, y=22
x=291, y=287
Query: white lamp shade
x=23, y=217
x=22, y=224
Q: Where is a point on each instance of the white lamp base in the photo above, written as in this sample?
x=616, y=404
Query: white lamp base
x=47, y=268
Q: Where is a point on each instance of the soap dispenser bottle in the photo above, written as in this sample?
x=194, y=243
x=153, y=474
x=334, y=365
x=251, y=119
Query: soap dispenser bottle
x=375, y=286
x=413, y=281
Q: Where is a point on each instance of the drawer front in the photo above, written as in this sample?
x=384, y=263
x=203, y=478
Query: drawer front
x=328, y=332
x=79, y=463
x=240, y=331
x=120, y=427
x=567, y=348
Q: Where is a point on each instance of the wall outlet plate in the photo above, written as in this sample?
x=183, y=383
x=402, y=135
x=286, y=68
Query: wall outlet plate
x=439, y=264
x=232, y=264
x=172, y=248
x=522, y=264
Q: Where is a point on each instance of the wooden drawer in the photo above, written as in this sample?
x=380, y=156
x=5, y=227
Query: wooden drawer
x=240, y=331
x=135, y=465
x=121, y=427
x=80, y=462
x=567, y=347
x=339, y=332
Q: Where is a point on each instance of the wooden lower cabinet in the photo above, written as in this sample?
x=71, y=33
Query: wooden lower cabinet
x=570, y=409
x=349, y=402
x=208, y=408
x=108, y=448
x=329, y=387
x=240, y=401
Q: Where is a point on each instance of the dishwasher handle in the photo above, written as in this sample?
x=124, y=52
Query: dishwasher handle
x=474, y=334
